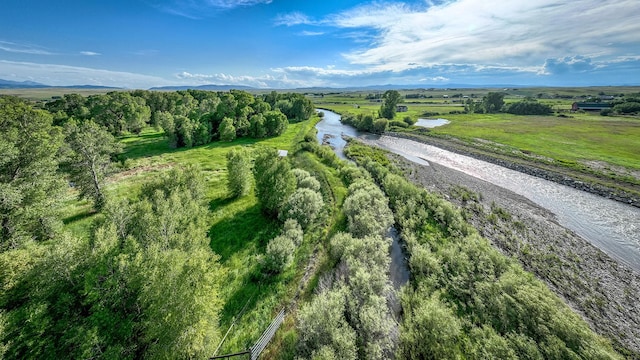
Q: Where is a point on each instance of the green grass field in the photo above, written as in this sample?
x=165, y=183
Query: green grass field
x=580, y=138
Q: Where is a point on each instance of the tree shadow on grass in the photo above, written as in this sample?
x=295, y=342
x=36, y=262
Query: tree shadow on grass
x=241, y=230
x=220, y=202
x=80, y=216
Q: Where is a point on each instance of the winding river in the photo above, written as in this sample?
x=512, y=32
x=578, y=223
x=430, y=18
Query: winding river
x=609, y=225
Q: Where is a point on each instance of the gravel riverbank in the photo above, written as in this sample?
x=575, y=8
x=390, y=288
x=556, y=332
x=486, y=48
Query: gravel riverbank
x=605, y=292
x=627, y=193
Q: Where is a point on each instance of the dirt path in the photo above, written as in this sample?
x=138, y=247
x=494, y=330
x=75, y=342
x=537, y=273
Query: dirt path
x=604, y=292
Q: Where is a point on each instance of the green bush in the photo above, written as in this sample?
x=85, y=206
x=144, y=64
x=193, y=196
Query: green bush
x=398, y=123
x=279, y=254
x=303, y=205
x=238, y=172
x=367, y=210
x=323, y=328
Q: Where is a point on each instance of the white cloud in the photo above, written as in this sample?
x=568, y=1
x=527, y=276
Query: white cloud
x=518, y=34
x=196, y=9
x=264, y=81
x=60, y=75
x=436, y=79
x=89, y=53
x=23, y=48
x=311, y=33
x=292, y=19
x=230, y=4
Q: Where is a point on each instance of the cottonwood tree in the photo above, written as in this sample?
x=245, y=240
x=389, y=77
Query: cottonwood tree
x=227, y=130
x=390, y=101
x=493, y=102
x=239, y=172
x=273, y=180
x=29, y=183
x=119, y=112
x=89, y=163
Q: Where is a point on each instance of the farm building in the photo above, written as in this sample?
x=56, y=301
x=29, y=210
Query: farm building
x=590, y=106
x=402, y=108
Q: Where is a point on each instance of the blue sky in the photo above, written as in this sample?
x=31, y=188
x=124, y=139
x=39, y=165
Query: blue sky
x=290, y=44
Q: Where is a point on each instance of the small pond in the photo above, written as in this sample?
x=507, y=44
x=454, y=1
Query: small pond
x=431, y=123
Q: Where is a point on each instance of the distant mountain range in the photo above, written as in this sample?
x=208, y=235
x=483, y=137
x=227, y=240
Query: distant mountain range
x=8, y=84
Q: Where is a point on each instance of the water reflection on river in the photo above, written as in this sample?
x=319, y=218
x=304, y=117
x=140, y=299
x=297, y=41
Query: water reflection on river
x=611, y=226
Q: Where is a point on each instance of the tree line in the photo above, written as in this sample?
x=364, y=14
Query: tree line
x=188, y=118
x=494, y=102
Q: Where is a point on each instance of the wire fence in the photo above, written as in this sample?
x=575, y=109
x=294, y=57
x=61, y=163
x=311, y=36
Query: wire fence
x=255, y=351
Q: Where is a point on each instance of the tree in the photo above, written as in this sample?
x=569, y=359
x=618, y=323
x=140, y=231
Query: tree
x=275, y=123
x=89, y=163
x=30, y=187
x=119, y=112
x=323, y=328
x=227, y=130
x=528, y=107
x=166, y=121
x=279, y=254
x=303, y=205
x=380, y=126
x=367, y=210
x=305, y=180
x=239, y=172
x=493, y=102
x=273, y=180
x=390, y=101
x=256, y=126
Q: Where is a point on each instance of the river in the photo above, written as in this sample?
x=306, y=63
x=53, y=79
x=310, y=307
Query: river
x=611, y=226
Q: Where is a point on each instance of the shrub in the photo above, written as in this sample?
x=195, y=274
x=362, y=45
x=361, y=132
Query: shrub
x=293, y=231
x=397, y=123
x=279, y=254
x=303, y=205
x=627, y=107
x=408, y=120
x=528, y=107
x=323, y=328
x=305, y=180
x=239, y=172
x=367, y=210
x=380, y=126
x=606, y=112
